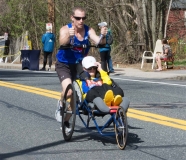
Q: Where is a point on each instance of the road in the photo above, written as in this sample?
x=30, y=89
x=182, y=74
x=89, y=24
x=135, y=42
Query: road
x=28, y=129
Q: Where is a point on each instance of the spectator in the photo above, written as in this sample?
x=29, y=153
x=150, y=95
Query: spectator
x=48, y=40
x=105, y=52
x=167, y=52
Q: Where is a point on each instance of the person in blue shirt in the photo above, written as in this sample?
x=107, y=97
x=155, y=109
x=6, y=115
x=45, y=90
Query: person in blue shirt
x=48, y=40
x=105, y=52
x=68, y=64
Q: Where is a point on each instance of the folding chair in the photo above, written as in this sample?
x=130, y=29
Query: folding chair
x=158, y=49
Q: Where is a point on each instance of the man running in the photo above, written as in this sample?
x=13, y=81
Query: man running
x=69, y=60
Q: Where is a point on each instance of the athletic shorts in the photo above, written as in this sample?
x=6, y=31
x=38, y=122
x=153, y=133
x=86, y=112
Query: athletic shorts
x=65, y=71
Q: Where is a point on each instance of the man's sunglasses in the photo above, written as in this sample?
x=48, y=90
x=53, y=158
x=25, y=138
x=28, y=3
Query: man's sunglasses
x=79, y=18
x=91, y=68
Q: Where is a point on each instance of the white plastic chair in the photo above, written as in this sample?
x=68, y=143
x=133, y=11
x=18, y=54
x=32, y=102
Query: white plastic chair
x=158, y=48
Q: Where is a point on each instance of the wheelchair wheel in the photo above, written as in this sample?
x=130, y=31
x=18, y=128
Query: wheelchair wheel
x=78, y=91
x=68, y=113
x=121, y=128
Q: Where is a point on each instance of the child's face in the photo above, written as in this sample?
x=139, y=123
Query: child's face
x=91, y=71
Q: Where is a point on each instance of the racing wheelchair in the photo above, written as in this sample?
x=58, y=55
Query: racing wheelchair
x=77, y=105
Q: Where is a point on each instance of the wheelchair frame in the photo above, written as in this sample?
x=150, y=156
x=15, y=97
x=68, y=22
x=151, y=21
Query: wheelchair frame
x=80, y=107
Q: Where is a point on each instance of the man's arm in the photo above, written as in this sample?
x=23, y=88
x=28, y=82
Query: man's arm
x=64, y=36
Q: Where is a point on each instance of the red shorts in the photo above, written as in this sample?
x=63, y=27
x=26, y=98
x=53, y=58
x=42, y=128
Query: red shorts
x=164, y=58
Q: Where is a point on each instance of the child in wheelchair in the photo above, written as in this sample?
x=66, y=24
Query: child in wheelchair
x=99, y=84
x=98, y=89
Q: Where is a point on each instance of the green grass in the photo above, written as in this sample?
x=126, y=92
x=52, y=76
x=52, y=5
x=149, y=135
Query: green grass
x=180, y=63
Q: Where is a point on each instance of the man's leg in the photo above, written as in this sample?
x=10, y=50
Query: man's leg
x=64, y=84
x=103, y=56
x=64, y=75
x=109, y=61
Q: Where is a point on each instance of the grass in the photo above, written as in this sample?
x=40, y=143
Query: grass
x=180, y=63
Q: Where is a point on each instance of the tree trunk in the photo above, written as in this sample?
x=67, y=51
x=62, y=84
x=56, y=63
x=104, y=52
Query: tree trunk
x=167, y=17
x=153, y=25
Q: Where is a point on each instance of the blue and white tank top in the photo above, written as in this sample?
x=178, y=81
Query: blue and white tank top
x=74, y=55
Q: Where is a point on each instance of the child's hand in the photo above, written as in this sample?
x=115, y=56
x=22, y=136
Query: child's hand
x=98, y=65
x=90, y=83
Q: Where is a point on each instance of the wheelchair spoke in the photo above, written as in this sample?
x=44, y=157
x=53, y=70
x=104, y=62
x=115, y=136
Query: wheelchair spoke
x=121, y=128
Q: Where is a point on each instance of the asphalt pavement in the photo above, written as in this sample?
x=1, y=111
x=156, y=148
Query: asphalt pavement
x=127, y=71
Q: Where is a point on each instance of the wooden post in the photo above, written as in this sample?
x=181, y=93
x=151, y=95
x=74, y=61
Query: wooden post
x=51, y=13
x=51, y=19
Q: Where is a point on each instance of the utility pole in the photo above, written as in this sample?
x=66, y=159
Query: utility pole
x=51, y=19
x=167, y=18
x=51, y=14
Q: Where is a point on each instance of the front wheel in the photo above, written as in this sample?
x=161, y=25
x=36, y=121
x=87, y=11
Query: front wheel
x=121, y=128
x=68, y=113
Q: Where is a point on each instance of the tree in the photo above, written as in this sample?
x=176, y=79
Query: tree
x=131, y=21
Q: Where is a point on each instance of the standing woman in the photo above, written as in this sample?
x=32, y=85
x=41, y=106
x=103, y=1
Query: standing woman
x=48, y=40
x=167, y=52
x=105, y=52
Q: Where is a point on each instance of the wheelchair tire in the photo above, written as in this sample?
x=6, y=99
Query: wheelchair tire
x=78, y=92
x=121, y=128
x=68, y=109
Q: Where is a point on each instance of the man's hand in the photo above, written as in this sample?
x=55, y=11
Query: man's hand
x=71, y=31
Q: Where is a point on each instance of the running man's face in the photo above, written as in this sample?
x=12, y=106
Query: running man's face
x=78, y=19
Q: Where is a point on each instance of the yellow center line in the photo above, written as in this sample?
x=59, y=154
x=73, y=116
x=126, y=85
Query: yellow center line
x=39, y=91
x=30, y=89
x=136, y=114
x=156, y=116
x=158, y=121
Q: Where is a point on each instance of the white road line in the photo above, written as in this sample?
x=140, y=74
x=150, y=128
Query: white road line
x=162, y=83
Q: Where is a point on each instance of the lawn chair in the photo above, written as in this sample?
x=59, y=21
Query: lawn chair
x=158, y=49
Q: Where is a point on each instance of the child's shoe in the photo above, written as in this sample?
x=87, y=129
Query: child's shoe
x=109, y=96
x=117, y=100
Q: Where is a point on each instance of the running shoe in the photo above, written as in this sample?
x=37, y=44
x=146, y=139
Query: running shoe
x=67, y=127
x=58, y=111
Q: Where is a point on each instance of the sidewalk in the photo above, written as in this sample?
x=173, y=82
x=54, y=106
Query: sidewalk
x=128, y=72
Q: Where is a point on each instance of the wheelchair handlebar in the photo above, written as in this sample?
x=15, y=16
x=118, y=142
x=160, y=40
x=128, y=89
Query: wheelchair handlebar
x=82, y=46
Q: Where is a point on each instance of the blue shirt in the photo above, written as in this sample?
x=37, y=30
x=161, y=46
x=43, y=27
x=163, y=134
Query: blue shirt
x=48, y=40
x=74, y=55
x=107, y=45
